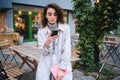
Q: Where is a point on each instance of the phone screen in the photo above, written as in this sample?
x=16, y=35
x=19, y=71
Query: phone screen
x=54, y=32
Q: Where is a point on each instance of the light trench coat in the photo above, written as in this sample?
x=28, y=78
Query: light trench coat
x=61, y=54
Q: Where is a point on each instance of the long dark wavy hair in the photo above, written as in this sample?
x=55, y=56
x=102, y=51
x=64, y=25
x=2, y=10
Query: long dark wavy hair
x=59, y=13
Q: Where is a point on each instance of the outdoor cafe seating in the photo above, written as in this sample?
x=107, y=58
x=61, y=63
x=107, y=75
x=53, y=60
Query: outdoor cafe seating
x=28, y=53
x=111, y=49
x=8, y=67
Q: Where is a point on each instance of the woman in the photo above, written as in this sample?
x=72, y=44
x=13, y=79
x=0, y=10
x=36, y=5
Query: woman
x=54, y=50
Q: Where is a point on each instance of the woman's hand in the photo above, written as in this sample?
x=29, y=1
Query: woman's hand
x=50, y=39
x=60, y=74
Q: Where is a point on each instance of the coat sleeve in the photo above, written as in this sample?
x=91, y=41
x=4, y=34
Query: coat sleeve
x=41, y=40
x=66, y=53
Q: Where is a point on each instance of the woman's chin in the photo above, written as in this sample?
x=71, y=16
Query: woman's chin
x=52, y=23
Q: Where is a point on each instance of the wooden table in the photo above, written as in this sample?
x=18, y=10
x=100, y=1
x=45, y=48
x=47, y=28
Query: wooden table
x=110, y=38
x=30, y=55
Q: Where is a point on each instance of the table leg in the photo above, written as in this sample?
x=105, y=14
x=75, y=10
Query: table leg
x=27, y=61
x=35, y=64
x=97, y=78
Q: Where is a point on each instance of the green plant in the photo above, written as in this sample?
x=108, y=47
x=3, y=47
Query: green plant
x=94, y=21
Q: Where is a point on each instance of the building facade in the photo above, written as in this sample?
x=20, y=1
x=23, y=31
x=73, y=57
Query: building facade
x=25, y=16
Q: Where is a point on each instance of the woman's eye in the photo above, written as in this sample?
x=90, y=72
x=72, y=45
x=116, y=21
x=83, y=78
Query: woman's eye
x=50, y=14
x=55, y=14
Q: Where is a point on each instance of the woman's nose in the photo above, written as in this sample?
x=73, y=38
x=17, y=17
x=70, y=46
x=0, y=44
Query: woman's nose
x=52, y=16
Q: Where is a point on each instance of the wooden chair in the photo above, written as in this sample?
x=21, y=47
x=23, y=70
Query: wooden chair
x=8, y=52
x=75, y=52
x=75, y=57
x=74, y=40
x=8, y=65
x=14, y=72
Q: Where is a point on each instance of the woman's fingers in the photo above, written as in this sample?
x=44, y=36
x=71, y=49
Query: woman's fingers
x=60, y=74
x=49, y=35
x=59, y=77
x=50, y=39
x=55, y=37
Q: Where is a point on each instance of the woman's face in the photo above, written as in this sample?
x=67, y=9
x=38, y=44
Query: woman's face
x=51, y=15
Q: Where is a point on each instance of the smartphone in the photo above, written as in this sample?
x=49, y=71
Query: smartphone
x=54, y=32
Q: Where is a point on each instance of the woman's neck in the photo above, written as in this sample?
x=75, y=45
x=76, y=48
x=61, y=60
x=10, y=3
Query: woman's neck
x=53, y=26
